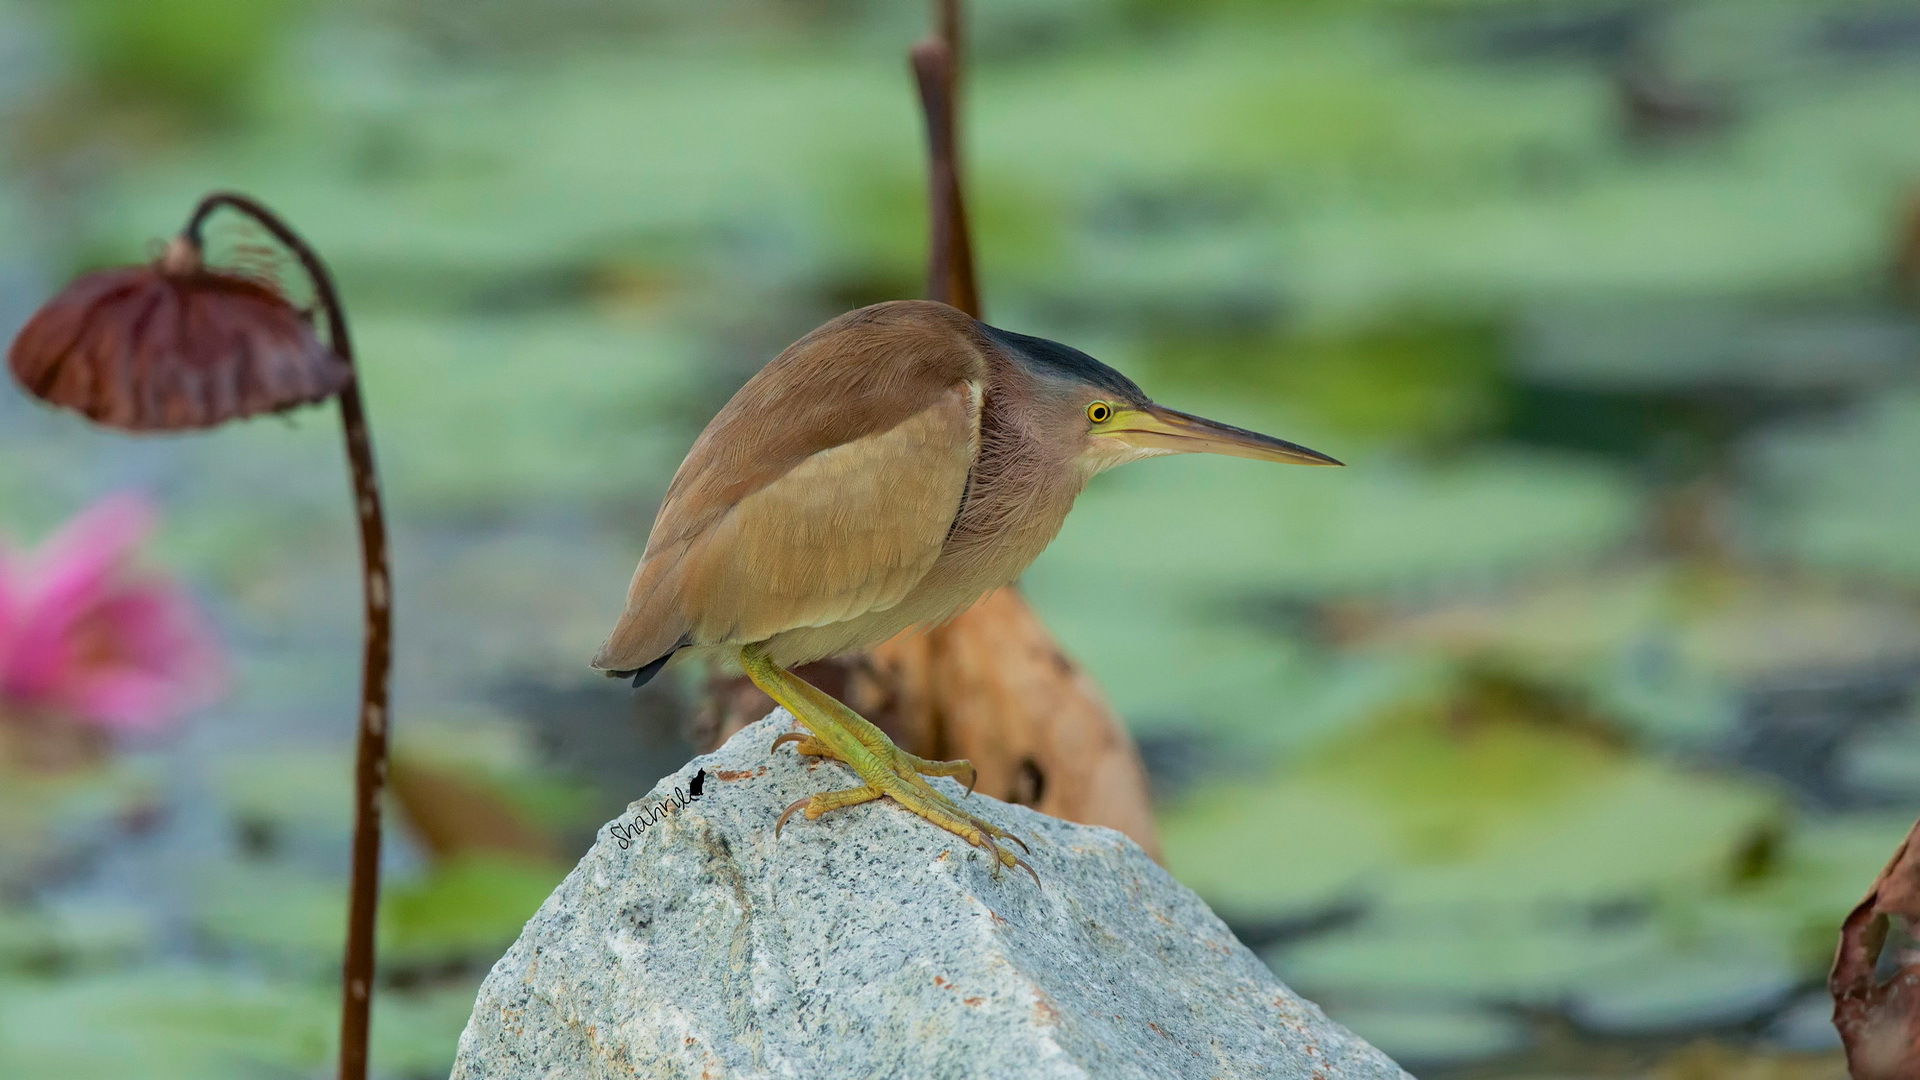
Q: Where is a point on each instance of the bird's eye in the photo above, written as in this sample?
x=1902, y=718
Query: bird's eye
x=1099, y=412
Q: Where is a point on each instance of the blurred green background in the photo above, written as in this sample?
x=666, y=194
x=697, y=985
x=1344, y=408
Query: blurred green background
x=1553, y=738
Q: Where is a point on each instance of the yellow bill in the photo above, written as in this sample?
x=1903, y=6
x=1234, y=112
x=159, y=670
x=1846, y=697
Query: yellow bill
x=1159, y=428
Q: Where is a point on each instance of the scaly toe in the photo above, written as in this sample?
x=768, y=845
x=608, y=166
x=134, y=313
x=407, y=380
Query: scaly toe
x=826, y=802
x=805, y=745
x=955, y=769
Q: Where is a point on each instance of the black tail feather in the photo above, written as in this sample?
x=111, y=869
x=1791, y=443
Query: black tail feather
x=642, y=675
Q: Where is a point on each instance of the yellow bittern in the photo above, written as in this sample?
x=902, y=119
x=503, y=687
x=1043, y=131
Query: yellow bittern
x=882, y=473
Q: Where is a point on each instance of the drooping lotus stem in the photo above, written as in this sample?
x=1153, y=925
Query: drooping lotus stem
x=176, y=345
x=370, y=758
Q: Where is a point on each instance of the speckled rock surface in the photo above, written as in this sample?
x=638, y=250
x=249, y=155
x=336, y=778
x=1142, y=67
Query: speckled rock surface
x=870, y=944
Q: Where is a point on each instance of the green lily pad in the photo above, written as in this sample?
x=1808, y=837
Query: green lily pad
x=293, y=919
x=467, y=908
x=168, y=1023
x=1838, y=493
x=177, y=1023
x=306, y=789
x=1421, y=1036
x=1456, y=799
x=475, y=408
x=1155, y=581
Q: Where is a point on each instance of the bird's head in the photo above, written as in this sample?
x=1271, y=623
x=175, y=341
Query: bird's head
x=1104, y=418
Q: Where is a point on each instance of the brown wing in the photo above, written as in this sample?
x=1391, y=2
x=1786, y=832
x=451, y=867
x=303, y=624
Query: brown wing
x=847, y=531
x=823, y=490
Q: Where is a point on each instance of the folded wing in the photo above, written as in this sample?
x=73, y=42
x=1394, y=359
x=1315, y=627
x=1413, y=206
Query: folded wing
x=845, y=531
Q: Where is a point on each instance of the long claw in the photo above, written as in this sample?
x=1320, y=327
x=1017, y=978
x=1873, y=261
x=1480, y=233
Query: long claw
x=804, y=744
x=787, y=813
x=1022, y=864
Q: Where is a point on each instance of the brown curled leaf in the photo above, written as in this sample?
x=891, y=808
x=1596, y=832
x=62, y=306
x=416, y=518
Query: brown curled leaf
x=1879, y=1018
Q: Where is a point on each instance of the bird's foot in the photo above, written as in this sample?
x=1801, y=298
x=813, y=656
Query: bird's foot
x=920, y=798
x=925, y=803
x=904, y=764
x=827, y=800
x=886, y=771
x=895, y=774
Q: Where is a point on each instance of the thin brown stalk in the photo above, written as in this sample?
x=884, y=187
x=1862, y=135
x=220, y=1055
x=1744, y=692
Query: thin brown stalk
x=370, y=769
x=936, y=68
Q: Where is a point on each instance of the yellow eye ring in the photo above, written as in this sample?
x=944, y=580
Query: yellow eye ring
x=1099, y=412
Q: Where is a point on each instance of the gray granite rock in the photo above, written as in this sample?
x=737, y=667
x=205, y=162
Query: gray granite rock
x=689, y=942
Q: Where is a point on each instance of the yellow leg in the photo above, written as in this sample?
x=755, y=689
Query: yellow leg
x=906, y=766
x=806, y=744
x=837, y=732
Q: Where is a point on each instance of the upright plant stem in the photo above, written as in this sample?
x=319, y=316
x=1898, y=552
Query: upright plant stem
x=370, y=769
x=936, y=68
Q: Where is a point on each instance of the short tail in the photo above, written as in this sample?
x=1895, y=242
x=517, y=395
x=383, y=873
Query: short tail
x=645, y=673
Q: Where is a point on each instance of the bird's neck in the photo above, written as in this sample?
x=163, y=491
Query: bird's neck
x=1022, y=485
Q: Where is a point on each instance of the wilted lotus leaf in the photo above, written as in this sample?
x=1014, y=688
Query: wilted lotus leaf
x=1879, y=1019
x=455, y=813
x=173, y=345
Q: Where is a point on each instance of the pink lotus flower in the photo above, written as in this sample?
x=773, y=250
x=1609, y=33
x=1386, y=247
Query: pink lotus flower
x=86, y=638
